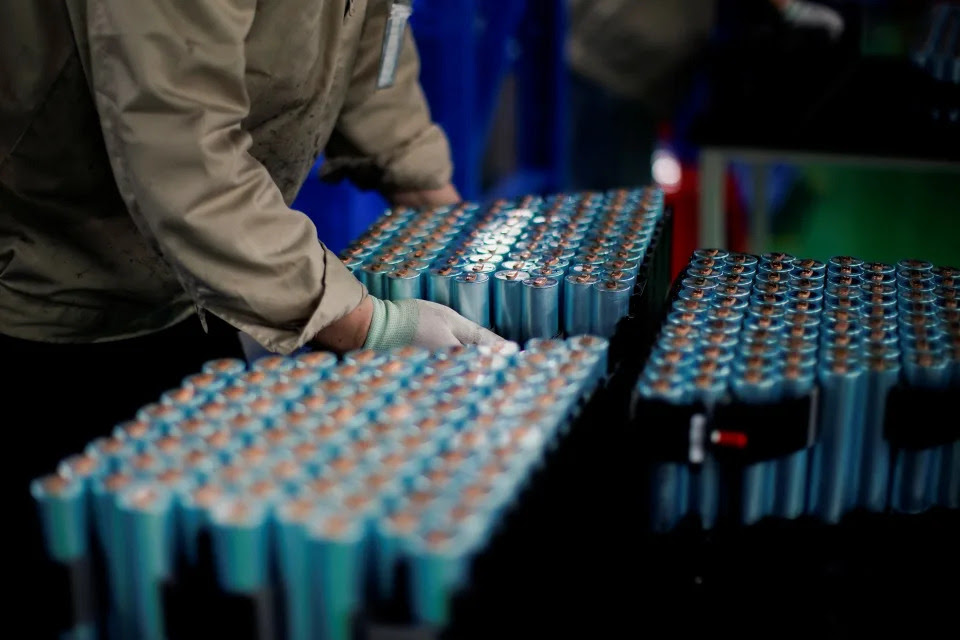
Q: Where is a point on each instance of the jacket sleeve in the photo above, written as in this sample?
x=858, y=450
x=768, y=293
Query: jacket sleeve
x=384, y=139
x=168, y=78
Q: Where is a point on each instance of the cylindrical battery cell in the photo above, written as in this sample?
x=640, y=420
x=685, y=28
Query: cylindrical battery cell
x=630, y=266
x=625, y=277
x=508, y=304
x=404, y=283
x=611, y=303
x=578, y=303
x=471, y=293
x=373, y=275
x=439, y=285
x=486, y=268
x=541, y=308
x=834, y=465
x=882, y=375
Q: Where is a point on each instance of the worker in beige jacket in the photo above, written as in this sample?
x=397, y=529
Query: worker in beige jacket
x=149, y=152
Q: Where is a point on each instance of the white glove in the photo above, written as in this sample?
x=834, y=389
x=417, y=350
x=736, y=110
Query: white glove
x=422, y=324
x=811, y=15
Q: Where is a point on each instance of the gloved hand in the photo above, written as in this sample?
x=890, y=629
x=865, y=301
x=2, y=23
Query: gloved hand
x=422, y=324
x=812, y=15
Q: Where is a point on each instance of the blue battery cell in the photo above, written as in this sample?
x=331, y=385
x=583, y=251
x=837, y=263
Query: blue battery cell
x=716, y=254
x=710, y=388
x=132, y=432
x=809, y=264
x=920, y=283
x=886, y=290
x=508, y=304
x=63, y=507
x=594, y=346
x=699, y=307
x=484, y=268
x=927, y=368
x=240, y=537
x=541, y=308
x=274, y=364
x=335, y=544
x=111, y=453
x=741, y=291
x=733, y=303
x=471, y=297
x=806, y=300
x=439, y=560
x=948, y=484
x=662, y=355
x=706, y=263
x=578, y=303
x=392, y=533
x=686, y=318
x=834, y=468
x=782, y=268
x=754, y=386
x=404, y=283
x=630, y=266
x=704, y=272
x=882, y=375
x=373, y=275
x=836, y=263
x=877, y=268
x=672, y=392
x=225, y=367
x=210, y=383
x=110, y=533
x=799, y=332
x=775, y=257
x=915, y=265
x=162, y=414
x=632, y=251
x=772, y=281
x=671, y=331
x=622, y=275
x=148, y=520
x=593, y=269
x=745, y=273
x=707, y=284
x=365, y=358
x=670, y=494
x=732, y=279
x=915, y=473
x=790, y=472
x=356, y=262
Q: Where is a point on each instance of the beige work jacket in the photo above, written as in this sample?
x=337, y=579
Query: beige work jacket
x=149, y=152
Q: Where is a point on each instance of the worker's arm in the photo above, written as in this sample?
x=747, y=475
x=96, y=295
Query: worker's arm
x=169, y=86
x=384, y=138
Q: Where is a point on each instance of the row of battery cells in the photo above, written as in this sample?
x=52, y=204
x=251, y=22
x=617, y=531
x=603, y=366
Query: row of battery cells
x=776, y=303
x=353, y=465
x=531, y=269
x=523, y=298
x=725, y=331
x=930, y=359
x=757, y=344
x=834, y=477
x=782, y=337
x=865, y=352
x=859, y=362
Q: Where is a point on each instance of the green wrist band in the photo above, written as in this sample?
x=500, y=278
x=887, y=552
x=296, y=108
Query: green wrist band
x=393, y=325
